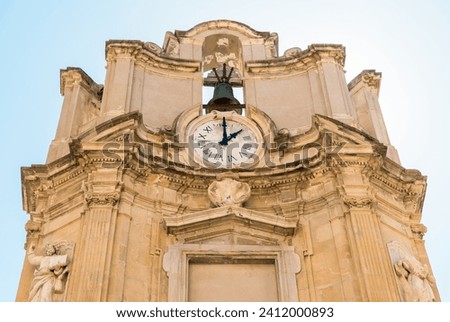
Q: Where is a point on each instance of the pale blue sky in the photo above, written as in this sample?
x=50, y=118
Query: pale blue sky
x=408, y=41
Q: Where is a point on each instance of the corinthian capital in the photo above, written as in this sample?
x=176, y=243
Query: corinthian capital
x=97, y=197
x=359, y=202
x=123, y=49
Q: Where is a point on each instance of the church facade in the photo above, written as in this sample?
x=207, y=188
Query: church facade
x=291, y=192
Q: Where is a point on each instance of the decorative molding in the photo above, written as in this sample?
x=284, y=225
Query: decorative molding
x=154, y=48
x=271, y=45
x=192, y=219
x=418, y=230
x=101, y=198
x=388, y=182
x=148, y=58
x=70, y=176
x=358, y=202
x=176, y=264
x=224, y=25
x=171, y=45
x=312, y=57
x=33, y=228
x=329, y=53
x=293, y=52
x=148, y=55
x=369, y=78
x=129, y=49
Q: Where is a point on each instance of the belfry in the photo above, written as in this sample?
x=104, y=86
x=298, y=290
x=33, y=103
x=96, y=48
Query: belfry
x=292, y=192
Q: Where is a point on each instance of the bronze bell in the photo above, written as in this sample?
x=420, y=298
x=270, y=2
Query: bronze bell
x=223, y=92
x=223, y=95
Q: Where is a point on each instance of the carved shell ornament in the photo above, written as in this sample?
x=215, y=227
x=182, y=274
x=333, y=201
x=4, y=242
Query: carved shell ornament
x=228, y=192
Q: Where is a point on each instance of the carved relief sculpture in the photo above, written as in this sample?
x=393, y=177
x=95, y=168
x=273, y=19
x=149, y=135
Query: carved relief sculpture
x=228, y=192
x=222, y=49
x=414, y=278
x=51, y=271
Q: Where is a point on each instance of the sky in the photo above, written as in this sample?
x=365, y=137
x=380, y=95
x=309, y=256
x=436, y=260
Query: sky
x=407, y=40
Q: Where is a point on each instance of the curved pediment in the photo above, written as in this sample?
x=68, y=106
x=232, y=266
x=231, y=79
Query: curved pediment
x=220, y=25
x=225, y=38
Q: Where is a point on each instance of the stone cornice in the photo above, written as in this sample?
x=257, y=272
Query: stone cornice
x=88, y=154
x=105, y=132
x=148, y=55
x=225, y=25
x=297, y=60
x=94, y=140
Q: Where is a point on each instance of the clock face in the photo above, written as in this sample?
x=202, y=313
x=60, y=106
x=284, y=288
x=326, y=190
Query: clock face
x=224, y=143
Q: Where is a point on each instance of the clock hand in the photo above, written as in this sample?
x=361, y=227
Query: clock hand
x=233, y=135
x=224, y=136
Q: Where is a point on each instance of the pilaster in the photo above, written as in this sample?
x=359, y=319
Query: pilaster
x=92, y=260
x=120, y=58
x=330, y=63
x=371, y=253
x=80, y=94
x=339, y=226
x=364, y=90
x=118, y=259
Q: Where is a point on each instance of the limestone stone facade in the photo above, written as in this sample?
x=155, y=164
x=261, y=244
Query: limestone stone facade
x=296, y=194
